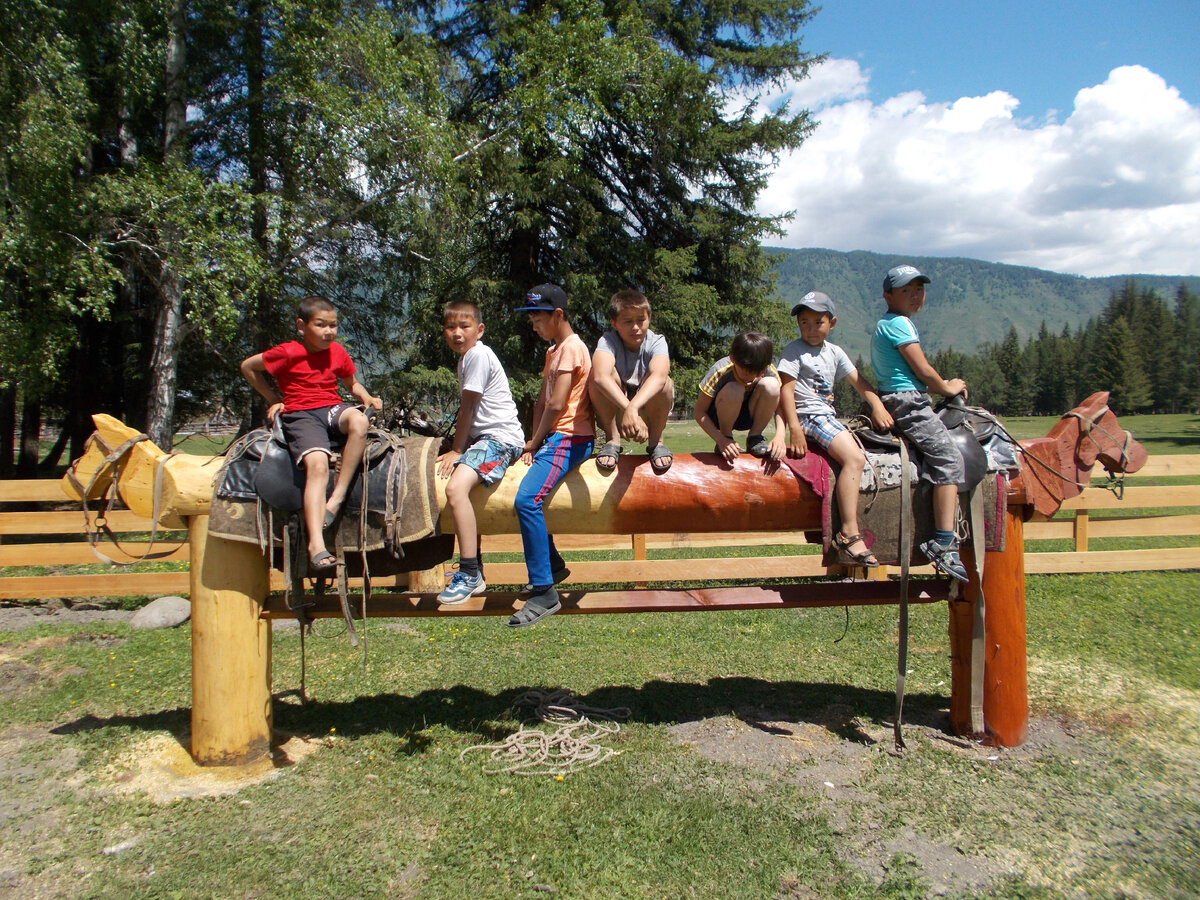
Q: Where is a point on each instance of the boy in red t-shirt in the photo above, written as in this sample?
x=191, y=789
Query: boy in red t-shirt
x=314, y=417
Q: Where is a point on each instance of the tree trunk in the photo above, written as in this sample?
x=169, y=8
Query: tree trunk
x=164, y=364
x=8, y=428
x=31, y=428
x=256, y=160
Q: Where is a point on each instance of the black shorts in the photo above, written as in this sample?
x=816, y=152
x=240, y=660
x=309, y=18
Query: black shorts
x=306, y=430
x=744, y=418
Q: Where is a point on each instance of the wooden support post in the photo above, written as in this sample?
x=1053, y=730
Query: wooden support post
x=427, y=581
x=231, y=650
x=1005, y=688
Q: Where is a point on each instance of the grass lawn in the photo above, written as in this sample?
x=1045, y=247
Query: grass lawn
x=755, y=762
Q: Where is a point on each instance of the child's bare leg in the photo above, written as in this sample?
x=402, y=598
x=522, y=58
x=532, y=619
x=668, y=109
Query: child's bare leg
x=458, y=491
x=354, y=425
x=846, y=453
x=316, y=480
x=764, y=400
x=606, y=412
x=656, y=412
x=727, y=404
x=945, y=503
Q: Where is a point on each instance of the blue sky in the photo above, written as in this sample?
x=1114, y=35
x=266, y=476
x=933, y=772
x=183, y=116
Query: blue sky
x=1062, y=135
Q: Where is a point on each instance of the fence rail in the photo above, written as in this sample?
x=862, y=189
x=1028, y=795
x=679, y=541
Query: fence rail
x=42, y=544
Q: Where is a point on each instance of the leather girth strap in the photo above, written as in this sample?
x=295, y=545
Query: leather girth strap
x=906, y=541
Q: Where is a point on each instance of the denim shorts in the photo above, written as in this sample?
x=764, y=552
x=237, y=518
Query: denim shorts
x=490, y=459
x=821, y=428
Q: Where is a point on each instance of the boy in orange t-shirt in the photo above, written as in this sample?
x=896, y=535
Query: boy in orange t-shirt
x=563, y=436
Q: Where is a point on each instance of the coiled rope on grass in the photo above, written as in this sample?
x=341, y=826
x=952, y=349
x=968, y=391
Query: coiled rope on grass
x=573, y=745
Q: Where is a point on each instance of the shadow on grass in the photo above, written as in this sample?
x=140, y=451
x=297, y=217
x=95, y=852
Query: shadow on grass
x=468, y=710
x=844, y=711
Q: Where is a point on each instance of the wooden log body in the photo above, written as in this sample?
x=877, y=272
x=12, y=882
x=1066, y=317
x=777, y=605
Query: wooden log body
x=699, y=493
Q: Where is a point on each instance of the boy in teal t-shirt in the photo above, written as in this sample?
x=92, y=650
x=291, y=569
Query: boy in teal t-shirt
x=904, y=375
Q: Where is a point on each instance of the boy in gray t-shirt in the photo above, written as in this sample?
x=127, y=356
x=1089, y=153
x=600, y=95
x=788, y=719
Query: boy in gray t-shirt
x=487, y=438
x=631, y=387
x=808, y=369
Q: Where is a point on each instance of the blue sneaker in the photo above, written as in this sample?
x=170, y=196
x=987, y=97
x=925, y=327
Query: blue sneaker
x=945, y=559
x=461, y=587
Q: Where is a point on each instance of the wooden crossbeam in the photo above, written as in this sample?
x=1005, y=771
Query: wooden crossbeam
x=790, y=596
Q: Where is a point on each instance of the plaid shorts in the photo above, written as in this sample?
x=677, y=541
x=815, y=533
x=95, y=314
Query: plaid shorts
x=490, y=459
x=822, y=428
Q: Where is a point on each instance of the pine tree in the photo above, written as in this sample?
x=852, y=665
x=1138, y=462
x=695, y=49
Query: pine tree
x=613, y=156
x=1119, y=366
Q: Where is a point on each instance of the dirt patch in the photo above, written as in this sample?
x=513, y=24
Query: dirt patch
x=834, y=757
x=16, y=618
x=161, y=768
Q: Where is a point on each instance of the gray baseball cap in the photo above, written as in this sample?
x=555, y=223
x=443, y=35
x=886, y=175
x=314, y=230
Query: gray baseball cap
x=902, y=275
x=816, y=301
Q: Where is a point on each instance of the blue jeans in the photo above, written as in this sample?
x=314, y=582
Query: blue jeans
x=558, y=455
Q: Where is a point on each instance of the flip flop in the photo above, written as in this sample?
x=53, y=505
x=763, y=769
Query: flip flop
x=611, y=449
x=661, y=453
x=532, y=613
x=330, y=518
x=323, y=562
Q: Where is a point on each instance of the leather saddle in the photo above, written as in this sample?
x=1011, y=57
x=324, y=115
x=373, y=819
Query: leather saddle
x=278, y=480
x=969, y=429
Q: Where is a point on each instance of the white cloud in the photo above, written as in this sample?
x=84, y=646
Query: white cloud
x=1112, y=189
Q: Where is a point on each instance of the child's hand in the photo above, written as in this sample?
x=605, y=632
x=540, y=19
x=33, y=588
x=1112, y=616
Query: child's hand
x=376, y=402
x=729, y=449
x=777, y=448
x=956, y=386
x=799, y=446
x=882, y=420
x=633, y=426
x=273, y=410
x=445, y=463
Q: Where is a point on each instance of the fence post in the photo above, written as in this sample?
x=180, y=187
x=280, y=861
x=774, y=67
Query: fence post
x=1081, y=530
x=639, y=553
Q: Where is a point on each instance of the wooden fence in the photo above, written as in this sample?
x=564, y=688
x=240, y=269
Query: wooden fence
x=43, y=551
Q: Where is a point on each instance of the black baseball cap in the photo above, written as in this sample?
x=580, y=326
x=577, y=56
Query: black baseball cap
x=544, y=298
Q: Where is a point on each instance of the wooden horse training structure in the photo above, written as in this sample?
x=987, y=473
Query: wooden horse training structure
x=232, y=611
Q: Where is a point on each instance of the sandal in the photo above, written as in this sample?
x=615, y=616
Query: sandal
x=330, y=518
x=323, y=562
x=532, y=613
x=863, y=558
x=661, y=458
x=611, y=450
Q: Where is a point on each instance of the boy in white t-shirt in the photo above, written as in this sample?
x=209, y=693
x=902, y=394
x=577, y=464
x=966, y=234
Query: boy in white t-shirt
x=487, y=438
x=811, y=365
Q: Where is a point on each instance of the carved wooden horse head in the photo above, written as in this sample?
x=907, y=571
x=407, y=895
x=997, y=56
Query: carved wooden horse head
x=1058, y=466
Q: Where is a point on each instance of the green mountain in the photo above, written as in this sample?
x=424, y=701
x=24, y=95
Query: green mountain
x=969, y=303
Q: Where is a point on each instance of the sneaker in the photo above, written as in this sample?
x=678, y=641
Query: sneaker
x=461, y=587
x=756, y=445
x=558, y=575
x=944, y=559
